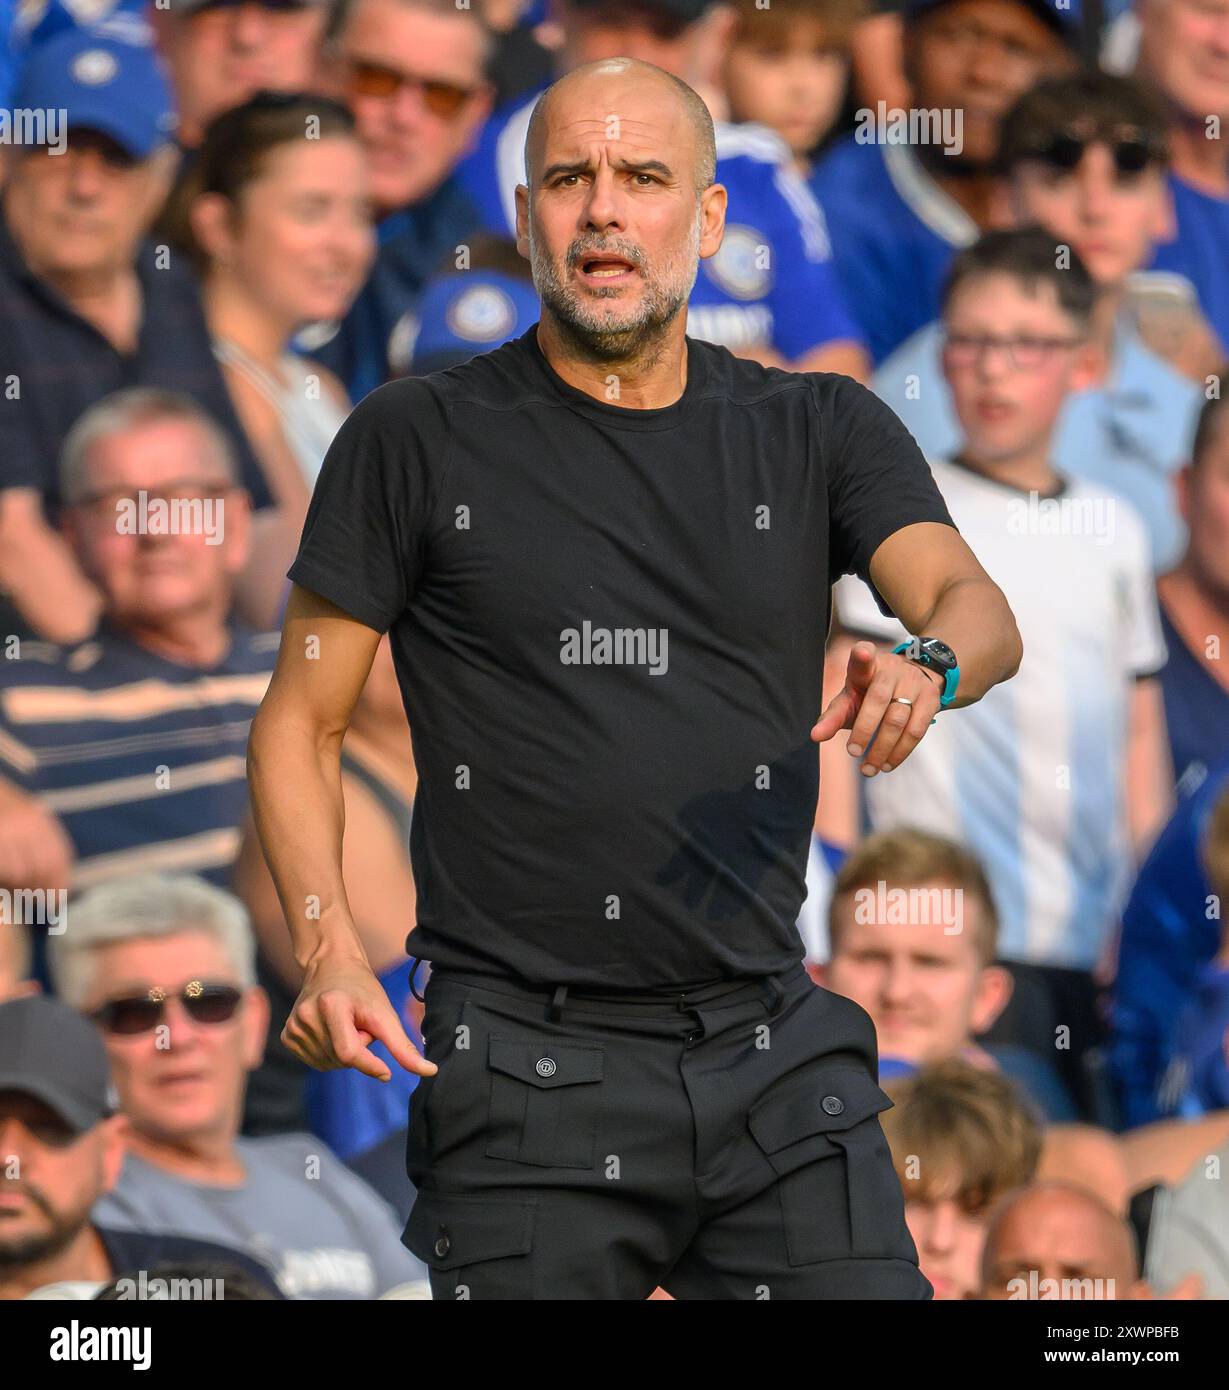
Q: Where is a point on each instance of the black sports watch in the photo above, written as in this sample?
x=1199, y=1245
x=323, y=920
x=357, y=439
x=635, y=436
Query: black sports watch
x=936, y=656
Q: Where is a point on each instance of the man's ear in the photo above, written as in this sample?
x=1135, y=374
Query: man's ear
x=713, y=203
x=1183, y=481
x=255, y=1026
x=1088, y=367
x=115, y=1130
x=994, y=986
x=522, y=220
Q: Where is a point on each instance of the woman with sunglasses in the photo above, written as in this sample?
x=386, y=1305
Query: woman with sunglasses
x=276, y=214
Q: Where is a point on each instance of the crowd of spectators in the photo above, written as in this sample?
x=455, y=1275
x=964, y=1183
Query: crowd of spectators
x=224, y=222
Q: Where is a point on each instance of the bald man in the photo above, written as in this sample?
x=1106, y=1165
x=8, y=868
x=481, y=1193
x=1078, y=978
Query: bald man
x=1053, y=1240
x=604, y=552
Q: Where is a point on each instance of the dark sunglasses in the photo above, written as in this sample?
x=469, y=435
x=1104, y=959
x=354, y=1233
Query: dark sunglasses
x=205, y=1003
x=443, y=99
x=1132, y=153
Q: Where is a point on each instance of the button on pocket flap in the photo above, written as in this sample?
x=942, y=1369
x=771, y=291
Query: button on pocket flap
x=448, y=1232
x=543, y=1062
x=825, y=1101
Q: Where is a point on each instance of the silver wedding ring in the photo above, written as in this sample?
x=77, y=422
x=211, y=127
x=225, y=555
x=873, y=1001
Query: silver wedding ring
x=900, y=700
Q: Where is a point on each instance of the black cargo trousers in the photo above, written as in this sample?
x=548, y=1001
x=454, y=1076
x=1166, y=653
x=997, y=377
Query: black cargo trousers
x=723, y=1143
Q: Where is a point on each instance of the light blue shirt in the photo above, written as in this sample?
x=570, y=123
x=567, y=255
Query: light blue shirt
x=1131, y=434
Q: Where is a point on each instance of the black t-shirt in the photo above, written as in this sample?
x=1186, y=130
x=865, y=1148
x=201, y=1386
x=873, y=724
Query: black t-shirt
x=609, y=626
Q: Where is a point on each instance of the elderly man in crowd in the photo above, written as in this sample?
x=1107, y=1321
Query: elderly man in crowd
x=63, y=1149
x=88, y=305
x=165, y=964
x=127, y=752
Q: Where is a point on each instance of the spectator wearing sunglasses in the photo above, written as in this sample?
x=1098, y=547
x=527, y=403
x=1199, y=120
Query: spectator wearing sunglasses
x=1059, y=783
x=898, y=212
x=770, y=292
x=275, y=213
x=129, y=750
x=88, y=303
x=1184, y=52
x=1085, y=157
x=221, y=52
x=165, y=965
x=63, y=1148
x=413, y=73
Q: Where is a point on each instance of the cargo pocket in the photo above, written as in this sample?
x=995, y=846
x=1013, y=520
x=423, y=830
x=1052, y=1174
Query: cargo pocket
x=474, y=1246
x=543, y=1107
x=840, y=1197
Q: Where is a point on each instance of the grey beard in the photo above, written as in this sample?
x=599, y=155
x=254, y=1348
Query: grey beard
x=589, y=331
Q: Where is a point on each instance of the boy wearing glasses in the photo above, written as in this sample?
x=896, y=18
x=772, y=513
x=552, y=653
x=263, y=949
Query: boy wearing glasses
x=1058, y=781
x=1085, y=157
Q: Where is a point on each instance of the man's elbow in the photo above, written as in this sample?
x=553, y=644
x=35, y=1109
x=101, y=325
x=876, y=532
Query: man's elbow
x=1013, y=643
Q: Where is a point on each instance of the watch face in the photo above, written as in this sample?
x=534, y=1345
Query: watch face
x=941, y=652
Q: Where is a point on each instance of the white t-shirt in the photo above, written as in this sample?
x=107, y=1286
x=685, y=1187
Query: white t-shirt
x=1032, y=777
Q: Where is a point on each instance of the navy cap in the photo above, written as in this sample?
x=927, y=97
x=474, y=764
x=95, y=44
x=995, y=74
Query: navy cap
x=470, y=312
x=50, y=1051
x=103, y=82
x=1063, y=16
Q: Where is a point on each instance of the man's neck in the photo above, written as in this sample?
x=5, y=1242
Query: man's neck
x=1196, y=160
x=199, y=639
x=84, y=1257
x=971, y=189
x=211, y=1159
x=109, y=297
x=1199, y=612
x=650, y=379
x=1029, y=472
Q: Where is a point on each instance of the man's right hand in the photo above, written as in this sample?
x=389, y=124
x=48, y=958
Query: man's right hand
x=340, y=1009
x=35, y=851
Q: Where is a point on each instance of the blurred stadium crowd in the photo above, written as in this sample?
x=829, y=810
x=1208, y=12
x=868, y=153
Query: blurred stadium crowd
x=222, y=222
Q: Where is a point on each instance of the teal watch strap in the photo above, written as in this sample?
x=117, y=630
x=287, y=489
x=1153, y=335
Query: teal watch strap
x=951, y=679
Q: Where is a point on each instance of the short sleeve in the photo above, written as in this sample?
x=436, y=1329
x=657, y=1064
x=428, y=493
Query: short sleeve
x=858, y=612
x=364, y=539
x=878, y=478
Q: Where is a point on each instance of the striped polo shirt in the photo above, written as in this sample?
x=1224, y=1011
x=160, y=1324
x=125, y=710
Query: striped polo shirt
x=141, y=758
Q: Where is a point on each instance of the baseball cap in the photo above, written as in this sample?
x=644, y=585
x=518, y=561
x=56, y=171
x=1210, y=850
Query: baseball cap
x=104, y=82
x=686, y=10
x=49, y=1051
x=461, y=315
x=1063, y=16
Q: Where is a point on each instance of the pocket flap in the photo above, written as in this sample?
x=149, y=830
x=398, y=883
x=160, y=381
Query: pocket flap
x=544, y=1062
x=825, y=1101
x=447, y=1232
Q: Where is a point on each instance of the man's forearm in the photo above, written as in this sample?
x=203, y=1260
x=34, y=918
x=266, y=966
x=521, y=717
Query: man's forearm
x=973, y=618
x=297, y=804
